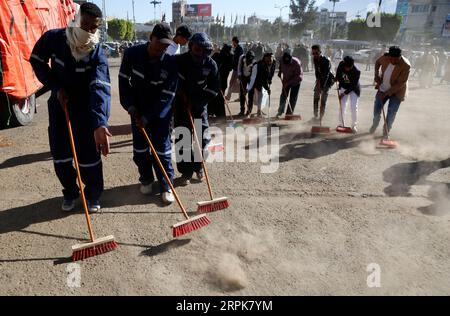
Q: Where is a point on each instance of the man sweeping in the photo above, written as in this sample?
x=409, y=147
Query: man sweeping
x=348, y=76
x=198, y=85
x=324, y=81
x=291, y=75
x=79, y=78
x=147, y=83
x=262, y=75
x=246, y=63
x=392, y=86
x=238, y=52
x=182, y=36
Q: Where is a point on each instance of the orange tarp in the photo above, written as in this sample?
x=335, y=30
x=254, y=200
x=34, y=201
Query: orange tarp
x=21, y=24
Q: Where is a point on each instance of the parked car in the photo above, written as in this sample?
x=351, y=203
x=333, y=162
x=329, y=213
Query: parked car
x=362, y=55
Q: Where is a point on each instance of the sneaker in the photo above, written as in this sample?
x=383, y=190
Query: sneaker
x=241, y=114
x=68, y=205
x=185, y=181
x=146, y=189
x=168, y=197
x=355, y=130
x=200, y=176
x=94, y=206
x=259, y=114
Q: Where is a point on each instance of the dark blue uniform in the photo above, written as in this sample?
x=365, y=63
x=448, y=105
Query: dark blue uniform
x=200, y=84
x=88, y=88
x=149, y=86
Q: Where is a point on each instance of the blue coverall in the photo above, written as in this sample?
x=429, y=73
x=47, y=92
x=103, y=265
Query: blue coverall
x=200, y=84
x=149, y=86
x=87, y=85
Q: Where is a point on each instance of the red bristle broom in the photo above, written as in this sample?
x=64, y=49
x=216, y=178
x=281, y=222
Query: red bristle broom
x=191, y=223
x=290, y=117
x=214, y=204
x=386, y=143
x=342, y=128
x=96, y=246
x=320, y=129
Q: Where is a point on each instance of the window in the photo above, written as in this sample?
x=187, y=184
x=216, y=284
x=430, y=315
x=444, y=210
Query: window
x=420, y=8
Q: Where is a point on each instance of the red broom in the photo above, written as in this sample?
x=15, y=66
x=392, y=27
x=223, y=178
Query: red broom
x=342, y=129
x=316, y=130
x=386, y=143
x=290, y=117
x=214, y=204
x=191, y=223
x=96, y=246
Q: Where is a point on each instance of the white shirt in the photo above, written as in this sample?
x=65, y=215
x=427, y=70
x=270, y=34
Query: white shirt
x=386, y=85
x=173, y=49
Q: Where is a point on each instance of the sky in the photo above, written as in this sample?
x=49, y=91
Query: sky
x=263, y=8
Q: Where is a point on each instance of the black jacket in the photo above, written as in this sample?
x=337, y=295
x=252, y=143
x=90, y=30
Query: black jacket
x=323, y=72
x=237, y=54
x=348, y=80
x=264, y=75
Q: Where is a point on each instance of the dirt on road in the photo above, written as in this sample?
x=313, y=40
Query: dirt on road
x=335, y=209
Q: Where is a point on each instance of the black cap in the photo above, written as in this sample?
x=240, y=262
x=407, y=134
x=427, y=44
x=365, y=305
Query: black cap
x=184, y=31
x=395, y=51
x=349, y=61
x=162, y=32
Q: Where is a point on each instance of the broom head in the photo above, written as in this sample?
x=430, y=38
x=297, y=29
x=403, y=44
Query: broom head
x=345, y=130
x=97, y=247
x=215, y=148
x=213, y=206
x=190, y=225
x=292, y=117
x=387, y=144
x=253, y=121
x=320, y=130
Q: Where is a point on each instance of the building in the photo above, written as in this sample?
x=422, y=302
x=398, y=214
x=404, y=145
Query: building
x=325, y=17
x=178, y=12
x=197, y=16
x=424, y=20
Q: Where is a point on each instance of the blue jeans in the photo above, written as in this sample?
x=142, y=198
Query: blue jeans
x=292, y=99
x=394, y=104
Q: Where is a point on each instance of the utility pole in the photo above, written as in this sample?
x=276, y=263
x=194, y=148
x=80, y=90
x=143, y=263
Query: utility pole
x=332, y=16
x=281, y=17
x=155, y=3
x=105, y=22
x=134, y=22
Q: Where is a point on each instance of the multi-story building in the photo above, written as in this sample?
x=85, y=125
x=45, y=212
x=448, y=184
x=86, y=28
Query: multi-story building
x=424, y=20
x=325, y=18
x=178, y=12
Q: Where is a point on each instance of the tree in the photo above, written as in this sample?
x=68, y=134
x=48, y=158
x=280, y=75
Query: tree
x=390, y=24
x=304, y=14
x=120, y=29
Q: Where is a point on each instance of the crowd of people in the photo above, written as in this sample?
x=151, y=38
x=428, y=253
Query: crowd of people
x=162, y=88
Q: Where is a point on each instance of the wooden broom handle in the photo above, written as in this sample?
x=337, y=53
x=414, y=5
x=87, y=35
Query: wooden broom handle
x=201, y=152
x=288, y=99
x=80, y=181
x=166, y=176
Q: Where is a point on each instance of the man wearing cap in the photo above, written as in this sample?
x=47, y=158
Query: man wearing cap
x=246, y=63
x=182, y=36
x=147, y=84
x=199, y=84
x=79, y=79
x=291, y=75
x=392, y=86
x=262, y=75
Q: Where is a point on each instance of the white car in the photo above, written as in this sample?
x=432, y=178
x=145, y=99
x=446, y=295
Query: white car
x=362, y=55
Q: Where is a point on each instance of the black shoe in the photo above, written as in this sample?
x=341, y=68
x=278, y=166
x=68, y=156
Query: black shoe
x=241, y=113
x=373, y=129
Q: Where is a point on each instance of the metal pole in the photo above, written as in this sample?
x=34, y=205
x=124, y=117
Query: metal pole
x=134, y=22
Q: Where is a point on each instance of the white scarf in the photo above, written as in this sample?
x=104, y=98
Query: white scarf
x=81, y=43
